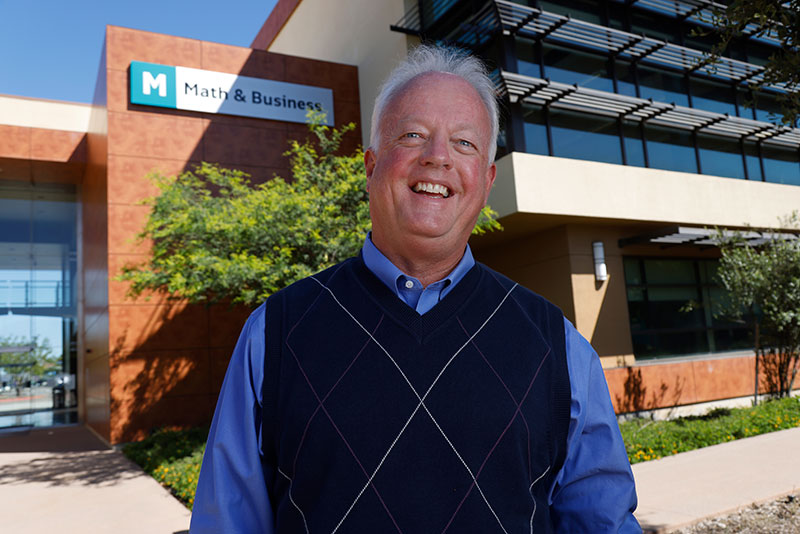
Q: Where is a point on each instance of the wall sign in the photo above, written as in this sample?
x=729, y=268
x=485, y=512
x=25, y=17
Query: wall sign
x=166, y=86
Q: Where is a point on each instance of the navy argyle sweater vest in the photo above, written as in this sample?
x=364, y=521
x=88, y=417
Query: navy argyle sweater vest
x=381, y=420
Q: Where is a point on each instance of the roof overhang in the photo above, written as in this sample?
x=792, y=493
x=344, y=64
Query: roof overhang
x=674, y=236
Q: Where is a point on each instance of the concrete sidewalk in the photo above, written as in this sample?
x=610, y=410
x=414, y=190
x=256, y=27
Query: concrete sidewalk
x=65, y=479
x=679, y=490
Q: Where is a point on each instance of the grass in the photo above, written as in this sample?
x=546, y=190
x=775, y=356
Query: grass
x=646, y=439
x=173, y=457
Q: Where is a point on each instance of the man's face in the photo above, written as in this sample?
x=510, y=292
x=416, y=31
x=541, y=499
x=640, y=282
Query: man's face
x=429, y=176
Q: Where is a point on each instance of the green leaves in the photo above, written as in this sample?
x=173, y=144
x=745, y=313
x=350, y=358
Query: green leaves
x=28, y=363
x=216, y=236
x=758, y=18
x=765, y=281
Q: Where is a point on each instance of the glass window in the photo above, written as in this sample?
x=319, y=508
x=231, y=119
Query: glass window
x=654, y=26
x=433, y=11
x=633, y=273
x=582, y=136
x=712, y=96
x=752, y=161
x=626, y=83
x=634, y=148
x=527, y=63
x=736, y=50
x=661, y=322
x=663, y=86
x=617, y=16
x=670, y=149
x=757, y=53
x=744, y=100
x=669, y=271
x=780, y=164
x=574, y=67
x=720, y=156
x=589, y=11
x=702, y=42
x=535, y=131
x=767, y=108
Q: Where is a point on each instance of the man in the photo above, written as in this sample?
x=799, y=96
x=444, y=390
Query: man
x=410, y=389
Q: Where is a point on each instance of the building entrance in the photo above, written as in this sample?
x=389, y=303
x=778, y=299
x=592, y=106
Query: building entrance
x=38, y=311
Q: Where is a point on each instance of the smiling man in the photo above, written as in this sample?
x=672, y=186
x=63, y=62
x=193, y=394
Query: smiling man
x=412, y=389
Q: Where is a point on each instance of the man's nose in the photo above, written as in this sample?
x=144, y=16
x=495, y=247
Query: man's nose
x=437, y=152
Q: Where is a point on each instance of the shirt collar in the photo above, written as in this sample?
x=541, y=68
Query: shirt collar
x=388, y=273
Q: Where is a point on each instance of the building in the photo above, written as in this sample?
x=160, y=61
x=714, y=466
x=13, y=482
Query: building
x=72, y=180
x=613, y=133
x=619, y=144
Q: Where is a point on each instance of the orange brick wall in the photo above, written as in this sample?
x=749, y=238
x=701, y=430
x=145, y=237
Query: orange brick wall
x=166, y=360
x=664, y=385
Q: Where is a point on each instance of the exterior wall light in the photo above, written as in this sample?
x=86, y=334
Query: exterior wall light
x=600, y=271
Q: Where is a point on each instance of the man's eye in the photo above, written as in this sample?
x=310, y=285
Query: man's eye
x=413, y=135
x=464, y=142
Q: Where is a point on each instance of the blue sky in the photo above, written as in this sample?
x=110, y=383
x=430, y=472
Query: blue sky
x=51, y=48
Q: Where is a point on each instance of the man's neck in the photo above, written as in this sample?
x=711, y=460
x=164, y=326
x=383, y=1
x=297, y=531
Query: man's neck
x=427, y=264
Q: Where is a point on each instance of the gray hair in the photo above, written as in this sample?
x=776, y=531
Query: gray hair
x=428, y=58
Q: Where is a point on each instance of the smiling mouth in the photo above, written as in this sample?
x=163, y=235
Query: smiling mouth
x=431, y=189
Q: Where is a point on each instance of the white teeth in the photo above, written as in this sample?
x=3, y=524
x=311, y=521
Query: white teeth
x=436, y=189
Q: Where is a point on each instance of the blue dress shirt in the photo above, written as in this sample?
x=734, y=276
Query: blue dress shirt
x=593, y=492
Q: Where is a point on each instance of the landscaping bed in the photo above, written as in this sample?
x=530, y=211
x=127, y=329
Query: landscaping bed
x=646, y=439
x=173, y=458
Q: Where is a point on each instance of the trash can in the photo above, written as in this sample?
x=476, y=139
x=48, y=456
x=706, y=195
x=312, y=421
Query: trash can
x=58, y=396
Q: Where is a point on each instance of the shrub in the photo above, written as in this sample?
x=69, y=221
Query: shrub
x=646, y=439
x=173, y=458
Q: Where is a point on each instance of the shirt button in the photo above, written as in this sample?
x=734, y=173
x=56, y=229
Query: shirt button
x=409, y=284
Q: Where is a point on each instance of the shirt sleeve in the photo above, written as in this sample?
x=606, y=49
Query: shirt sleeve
x=231, y=492
x=594, y=492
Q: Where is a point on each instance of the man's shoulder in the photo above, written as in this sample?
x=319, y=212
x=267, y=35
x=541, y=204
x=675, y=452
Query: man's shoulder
x=310, y=286
x=523, y=295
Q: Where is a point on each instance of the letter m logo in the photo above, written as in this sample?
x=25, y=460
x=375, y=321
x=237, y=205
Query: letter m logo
x=152, y=84
x=149, y=83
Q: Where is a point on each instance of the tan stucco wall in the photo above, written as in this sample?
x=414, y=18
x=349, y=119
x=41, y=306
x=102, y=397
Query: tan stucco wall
x=354, y=32
x=601, y=308
x=557, y=263
x=540, y=262
x=542, y=185
x=46, y=114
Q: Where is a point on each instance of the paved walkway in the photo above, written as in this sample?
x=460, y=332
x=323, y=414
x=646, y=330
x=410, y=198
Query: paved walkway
x=679, y=490
x=66, y=480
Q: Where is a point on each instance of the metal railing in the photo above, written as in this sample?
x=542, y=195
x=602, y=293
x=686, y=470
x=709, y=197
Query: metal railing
x=537, y=91
x=35, y=294
x=537, y=24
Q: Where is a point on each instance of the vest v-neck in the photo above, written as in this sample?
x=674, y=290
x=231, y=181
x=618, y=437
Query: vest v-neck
x=420, y=326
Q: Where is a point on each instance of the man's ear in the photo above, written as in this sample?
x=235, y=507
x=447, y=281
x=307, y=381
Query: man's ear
x=369, y=164
x=491, y=174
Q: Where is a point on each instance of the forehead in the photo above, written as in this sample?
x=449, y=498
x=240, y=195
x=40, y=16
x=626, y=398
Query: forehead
x=437, y=94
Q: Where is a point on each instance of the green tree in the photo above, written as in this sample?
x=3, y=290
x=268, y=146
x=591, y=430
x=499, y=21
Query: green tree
x=35, y=357
x=216, y=236
x=764, y=281
x=777, y=19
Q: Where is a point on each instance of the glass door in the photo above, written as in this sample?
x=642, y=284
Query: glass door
x=38, y=330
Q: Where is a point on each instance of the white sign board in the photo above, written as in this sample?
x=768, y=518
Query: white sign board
x=219, y=92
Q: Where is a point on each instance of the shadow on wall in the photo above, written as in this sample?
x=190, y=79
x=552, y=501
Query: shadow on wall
x=168, y=359
x=167, y=373
x=635, y=398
